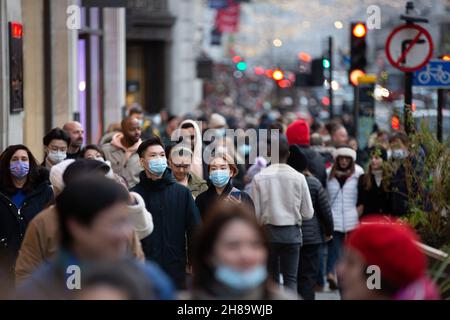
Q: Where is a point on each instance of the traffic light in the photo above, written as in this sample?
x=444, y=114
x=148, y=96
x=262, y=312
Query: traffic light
x=358, y=60
x=395, y=123
x=446, y=57
x=278, y=75
x=241, y=66
x=317, y=77
x=326, y=63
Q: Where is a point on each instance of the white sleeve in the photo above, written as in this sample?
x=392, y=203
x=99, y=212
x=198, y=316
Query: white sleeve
x=256, y=196
x=142, y=219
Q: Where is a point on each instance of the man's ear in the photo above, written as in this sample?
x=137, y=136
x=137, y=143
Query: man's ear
x=142, y=162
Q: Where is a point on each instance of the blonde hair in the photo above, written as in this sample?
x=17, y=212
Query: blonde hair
x=229, y=160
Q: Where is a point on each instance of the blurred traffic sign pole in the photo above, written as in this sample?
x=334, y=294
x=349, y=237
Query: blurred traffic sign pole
x=408, y=102
x=408, y=51
x=330, y=78
x=441, y=102
x=364, y=104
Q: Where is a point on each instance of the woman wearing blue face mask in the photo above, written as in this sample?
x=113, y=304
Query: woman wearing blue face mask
x=231, y=258
x=221, y=170
x=24, y=192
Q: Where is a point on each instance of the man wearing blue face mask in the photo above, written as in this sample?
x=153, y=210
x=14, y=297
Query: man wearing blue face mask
x=175, y=216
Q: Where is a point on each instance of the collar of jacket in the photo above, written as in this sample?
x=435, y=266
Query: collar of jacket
x=226, y=190
x=166, y=180
x=41, y=183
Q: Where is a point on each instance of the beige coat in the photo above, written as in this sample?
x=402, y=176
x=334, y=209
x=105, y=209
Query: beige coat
x=41, y=242
x=124, y=161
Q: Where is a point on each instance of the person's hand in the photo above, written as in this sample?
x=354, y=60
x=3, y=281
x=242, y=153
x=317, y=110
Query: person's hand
x=328, y=238
x=233, y=200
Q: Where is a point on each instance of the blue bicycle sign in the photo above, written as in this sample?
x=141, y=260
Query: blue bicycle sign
x=436, y=74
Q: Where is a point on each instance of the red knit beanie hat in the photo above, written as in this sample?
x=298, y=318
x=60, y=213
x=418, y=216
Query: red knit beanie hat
x=390, y=245
x=298, y=132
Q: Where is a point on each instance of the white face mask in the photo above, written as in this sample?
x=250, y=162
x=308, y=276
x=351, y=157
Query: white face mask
x=57, y=156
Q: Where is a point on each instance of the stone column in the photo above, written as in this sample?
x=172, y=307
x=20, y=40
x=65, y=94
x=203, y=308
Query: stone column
x=114, y=71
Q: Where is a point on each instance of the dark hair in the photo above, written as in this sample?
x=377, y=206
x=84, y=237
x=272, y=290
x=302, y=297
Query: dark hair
x=123, y=275
x=83, y=199
x=403, y=137
x=92, y=147
x=5, y=175
x=206, y=238
x=283, y=147
x=123, y=123
x=135, y=110
x=367, y=177
x=56, y=134
x=170, y=117
x=316, y=139
x=82, y=167
x=152, y=141
x=187, y=125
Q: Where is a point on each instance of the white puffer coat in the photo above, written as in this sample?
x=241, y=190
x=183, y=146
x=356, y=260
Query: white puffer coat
x=343, y=201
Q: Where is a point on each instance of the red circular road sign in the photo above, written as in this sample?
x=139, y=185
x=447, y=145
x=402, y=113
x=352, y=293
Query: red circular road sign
x=407, y=50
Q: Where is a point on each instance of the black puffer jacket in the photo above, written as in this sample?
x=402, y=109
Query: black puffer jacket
x=14, y=221
x=322, y=222
x=315, y=163
x=175, y=216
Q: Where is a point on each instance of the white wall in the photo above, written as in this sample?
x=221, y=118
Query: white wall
x=10, y=124
x=114, y=63
x=185, y=91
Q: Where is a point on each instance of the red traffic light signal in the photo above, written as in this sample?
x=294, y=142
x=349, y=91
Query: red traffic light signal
x=395, y=123
x=303, y=56
x=354, y=75
x=16, y=30
x=277, y=75
x=237, y=59
x=259, y=70
x=359, y=30
x=284, y=84
x=358, y=59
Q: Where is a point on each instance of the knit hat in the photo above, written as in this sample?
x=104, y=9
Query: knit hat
x=344, y=151
x=56, y=174
x=298, y=132
x=217, y=121
x=390, y=245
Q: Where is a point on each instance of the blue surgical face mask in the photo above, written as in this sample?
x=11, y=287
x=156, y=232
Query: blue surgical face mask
x=220, y=132
x=219, y=178
x=241, y=280
x=245, y=149
x=157, y=166
x=19, y=169
x=399, y=154
x=57, y=156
